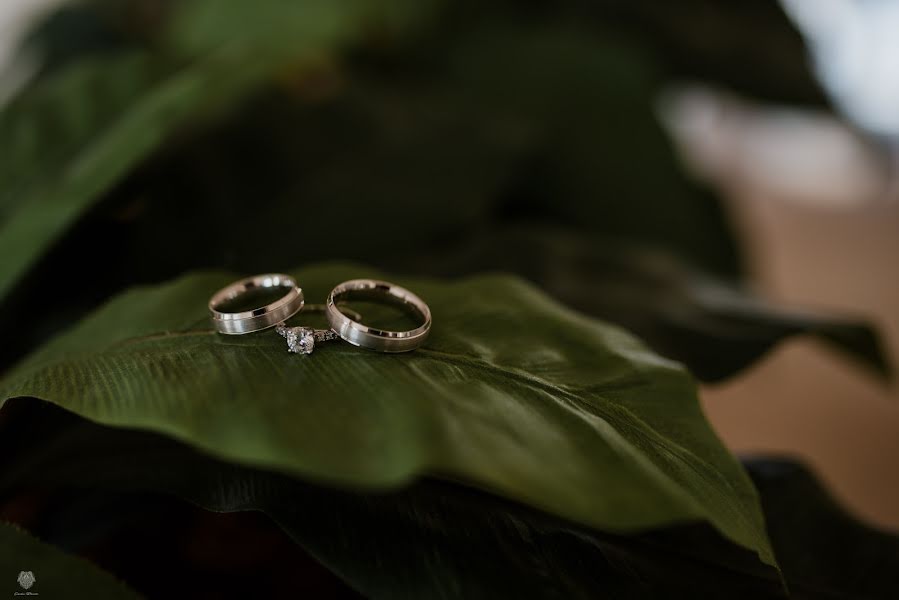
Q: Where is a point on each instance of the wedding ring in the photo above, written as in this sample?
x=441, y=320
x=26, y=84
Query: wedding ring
x=364, y=336
x=263, y=317
x=302, y=340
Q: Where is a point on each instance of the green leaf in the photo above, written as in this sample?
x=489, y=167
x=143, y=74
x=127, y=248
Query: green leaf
x=368, y=176
x=604, y=163
x=431, y=540
x=73, y=136
x=536, y=122
x=439, y=540
x=824, y=551
x=713, y=326
x=56, y=574
x=512, y=393
x=71, y=139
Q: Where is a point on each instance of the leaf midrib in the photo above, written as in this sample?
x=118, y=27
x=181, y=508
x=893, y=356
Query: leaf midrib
x=613, y=413
x=589, y=411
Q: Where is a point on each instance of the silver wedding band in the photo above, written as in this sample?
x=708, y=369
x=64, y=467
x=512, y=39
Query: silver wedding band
x=347, y=327
x=263, y=317
x=372, y=338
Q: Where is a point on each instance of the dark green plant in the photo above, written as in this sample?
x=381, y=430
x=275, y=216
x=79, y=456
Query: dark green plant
x=527, y=450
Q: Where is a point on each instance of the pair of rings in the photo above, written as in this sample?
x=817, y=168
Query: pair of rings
x=302, y=339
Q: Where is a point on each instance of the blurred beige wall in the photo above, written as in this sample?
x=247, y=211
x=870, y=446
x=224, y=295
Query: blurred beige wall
x=820, y=214
x=804, y=398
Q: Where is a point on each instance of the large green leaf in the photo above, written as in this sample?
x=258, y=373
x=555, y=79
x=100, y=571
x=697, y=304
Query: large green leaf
x=80, y=131
x=439, y=540
x=538, y=122
x=56, y=574
x=604, y=164
x=713, y=326
x=512, y=392
x=431, y=540
x=75, y=134
x=825, y=551
x=73, y=137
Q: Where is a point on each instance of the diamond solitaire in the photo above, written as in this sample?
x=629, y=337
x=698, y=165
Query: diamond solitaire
x=300, y=340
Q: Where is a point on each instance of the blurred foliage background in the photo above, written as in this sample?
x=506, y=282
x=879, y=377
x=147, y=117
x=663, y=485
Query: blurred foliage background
x=428, y=138
x=522, y=139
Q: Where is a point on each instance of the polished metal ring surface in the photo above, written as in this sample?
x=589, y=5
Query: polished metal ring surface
x=263, y=317
x=364, y=336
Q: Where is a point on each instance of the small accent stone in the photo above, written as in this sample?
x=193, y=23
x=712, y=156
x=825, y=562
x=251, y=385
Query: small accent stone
x=300, y=340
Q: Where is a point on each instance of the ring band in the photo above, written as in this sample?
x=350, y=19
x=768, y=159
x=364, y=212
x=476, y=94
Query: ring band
x=236, y=323
x=302, y=340
x=369, y=337
x=355, y=315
